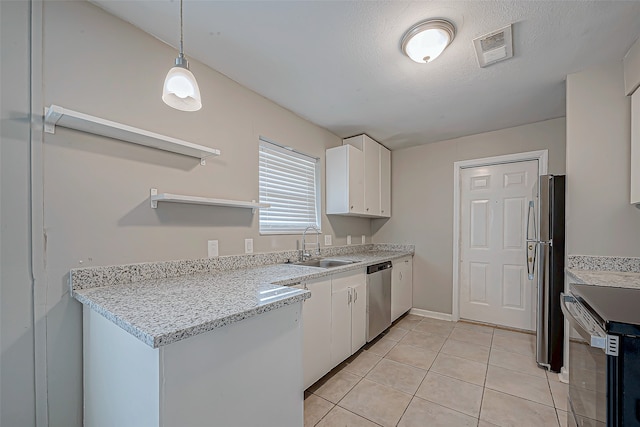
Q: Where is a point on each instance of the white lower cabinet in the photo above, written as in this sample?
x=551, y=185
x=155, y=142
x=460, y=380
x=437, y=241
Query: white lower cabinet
x=316, y=323
x=248, y=373
x=334, y=322
x=401, y=286
x=348, y=314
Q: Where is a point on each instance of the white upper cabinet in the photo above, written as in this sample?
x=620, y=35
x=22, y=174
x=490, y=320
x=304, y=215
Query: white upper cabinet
x=635, y=147
x=374, y=182
x=345, y=180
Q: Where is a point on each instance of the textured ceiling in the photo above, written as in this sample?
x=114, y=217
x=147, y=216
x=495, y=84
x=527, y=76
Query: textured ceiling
x=339, y=64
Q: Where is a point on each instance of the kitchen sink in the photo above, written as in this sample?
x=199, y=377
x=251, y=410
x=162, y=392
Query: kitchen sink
x=325, y=262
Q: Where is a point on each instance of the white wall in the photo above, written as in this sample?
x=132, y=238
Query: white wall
x=422, y=199
x=96, y=190
x=17, y=391
x=600, y=220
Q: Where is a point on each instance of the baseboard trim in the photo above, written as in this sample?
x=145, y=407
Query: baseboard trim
x=563, y=376
x=432, y=314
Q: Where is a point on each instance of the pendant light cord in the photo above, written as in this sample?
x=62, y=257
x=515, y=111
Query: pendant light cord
x=181, y=36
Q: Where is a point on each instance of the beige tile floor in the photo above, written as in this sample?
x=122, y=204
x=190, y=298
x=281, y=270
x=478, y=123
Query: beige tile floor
x=428, y=372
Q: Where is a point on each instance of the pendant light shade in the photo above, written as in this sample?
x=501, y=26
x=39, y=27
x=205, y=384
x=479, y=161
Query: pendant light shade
x=426, y=40
x=181, y=89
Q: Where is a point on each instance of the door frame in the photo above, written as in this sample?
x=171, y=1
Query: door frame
x=543, y=158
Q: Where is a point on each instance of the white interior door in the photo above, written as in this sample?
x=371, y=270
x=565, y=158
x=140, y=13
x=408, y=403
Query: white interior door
x=494, y=287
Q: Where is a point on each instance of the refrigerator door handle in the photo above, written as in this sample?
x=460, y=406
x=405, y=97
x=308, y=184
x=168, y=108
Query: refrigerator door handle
x=531, y=242
x=542, y=335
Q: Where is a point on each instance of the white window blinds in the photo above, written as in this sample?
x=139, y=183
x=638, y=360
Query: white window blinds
x=289, y=182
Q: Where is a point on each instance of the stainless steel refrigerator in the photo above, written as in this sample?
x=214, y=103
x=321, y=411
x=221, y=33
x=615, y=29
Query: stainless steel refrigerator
x=545, y=265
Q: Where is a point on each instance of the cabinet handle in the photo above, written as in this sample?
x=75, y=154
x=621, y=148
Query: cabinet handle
x=367, y=209
x=349, y=297
x=401, y=275
x=351, y=207
x=356, y=297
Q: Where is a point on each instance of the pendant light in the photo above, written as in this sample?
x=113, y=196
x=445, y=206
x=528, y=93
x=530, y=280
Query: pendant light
x=426, y=40
x=180, y=86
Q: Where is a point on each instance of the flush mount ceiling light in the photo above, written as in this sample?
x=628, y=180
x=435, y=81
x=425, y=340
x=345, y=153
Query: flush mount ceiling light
x=181, y=89
x=426, y=40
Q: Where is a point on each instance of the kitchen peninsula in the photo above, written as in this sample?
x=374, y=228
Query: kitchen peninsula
x=213, y=341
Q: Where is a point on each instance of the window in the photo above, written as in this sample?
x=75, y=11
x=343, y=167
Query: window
x=289, y=182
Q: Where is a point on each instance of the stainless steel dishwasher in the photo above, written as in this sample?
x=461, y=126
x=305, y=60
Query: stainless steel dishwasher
x=378, y=299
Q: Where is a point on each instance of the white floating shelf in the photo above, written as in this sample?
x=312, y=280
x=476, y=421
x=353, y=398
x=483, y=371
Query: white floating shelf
x=195, y=200
x=59, y=116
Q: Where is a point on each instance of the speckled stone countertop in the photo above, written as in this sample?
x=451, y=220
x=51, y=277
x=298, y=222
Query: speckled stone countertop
x=162, y=310
x=619, y=272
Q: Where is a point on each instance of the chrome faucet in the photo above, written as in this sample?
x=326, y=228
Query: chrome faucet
x=305, y=255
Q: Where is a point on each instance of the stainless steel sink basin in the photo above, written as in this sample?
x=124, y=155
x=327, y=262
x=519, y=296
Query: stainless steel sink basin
x=325, y=262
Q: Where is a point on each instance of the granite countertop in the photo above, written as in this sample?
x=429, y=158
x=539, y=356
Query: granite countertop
x=617, y=279
x=160, y=311
x=614, y=271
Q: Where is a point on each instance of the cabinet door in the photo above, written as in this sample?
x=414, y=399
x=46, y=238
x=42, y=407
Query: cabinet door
x=395, y=291
x=358, y=315
x=356, y=180
x=340, y=325
x=407, y=284
x=385, y=182
x=344, y=179
x=401, y=287
x=316, y=324
x=371, y=176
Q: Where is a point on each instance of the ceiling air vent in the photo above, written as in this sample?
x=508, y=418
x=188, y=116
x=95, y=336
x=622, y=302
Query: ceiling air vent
x=494, y=47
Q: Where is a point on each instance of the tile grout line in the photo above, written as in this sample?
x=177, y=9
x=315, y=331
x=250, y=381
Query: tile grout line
x=553, y=399
x=484, y=385
x=351, y=389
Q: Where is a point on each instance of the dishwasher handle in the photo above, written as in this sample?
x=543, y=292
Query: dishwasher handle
x=587, y=327
x=379, y=267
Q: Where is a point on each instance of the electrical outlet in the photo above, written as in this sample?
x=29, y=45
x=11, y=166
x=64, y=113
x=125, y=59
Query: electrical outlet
x=327, y=240
x=212, y=248
x=364, y=239
x=248, y=246
x=349, y=239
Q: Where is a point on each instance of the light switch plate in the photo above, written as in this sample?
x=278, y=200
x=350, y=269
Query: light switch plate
x=349, y=239
x=248, y=246
x=212, y=248
x=364, y=239
x=327, y=240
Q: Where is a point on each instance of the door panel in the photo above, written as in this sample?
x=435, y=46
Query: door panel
x=479, y=223
x=494, y=287
x=513, y=237
x=478, y=282
x=513, y=286
x=514, y=178
x=480, y=182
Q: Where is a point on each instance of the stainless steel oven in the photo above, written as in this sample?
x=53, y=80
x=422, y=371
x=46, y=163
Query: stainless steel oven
x=604, y=356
